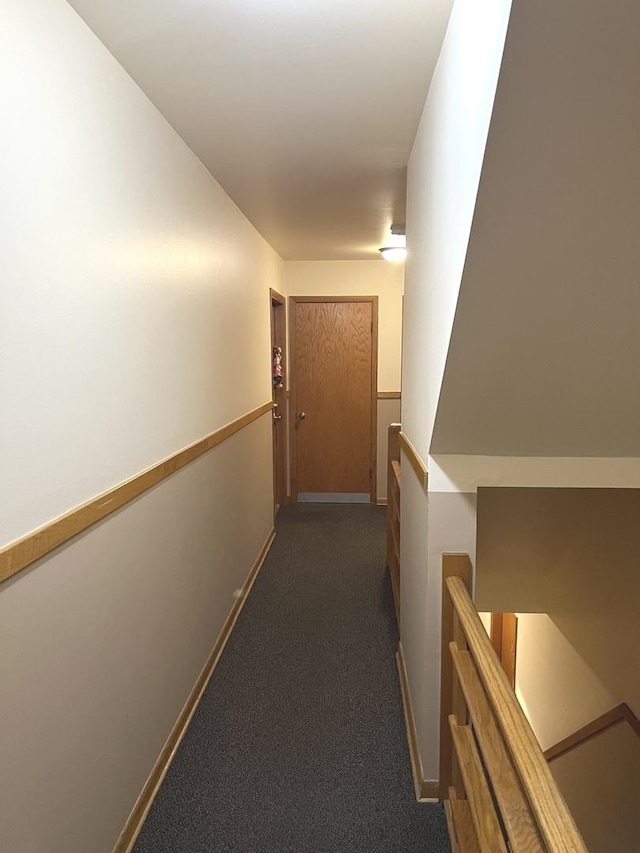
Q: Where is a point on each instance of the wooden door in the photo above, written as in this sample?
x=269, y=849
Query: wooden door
x=278, y=339
x=333, y=403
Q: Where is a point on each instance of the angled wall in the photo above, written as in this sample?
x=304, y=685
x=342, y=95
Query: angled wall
x=545, y=346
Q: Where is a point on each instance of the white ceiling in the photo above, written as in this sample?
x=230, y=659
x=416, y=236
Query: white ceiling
x=304, y=110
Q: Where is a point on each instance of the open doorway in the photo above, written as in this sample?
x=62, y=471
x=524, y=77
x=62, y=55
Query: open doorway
x=278, y=355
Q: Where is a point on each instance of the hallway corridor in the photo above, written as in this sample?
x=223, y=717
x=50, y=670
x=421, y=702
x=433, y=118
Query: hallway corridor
x=299, y=743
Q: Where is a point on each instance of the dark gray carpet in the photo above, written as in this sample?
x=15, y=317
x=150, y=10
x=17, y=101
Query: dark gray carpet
x=299, y=743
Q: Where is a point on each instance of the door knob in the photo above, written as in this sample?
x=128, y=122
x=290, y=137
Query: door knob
x=276, y=416
x=302, y=416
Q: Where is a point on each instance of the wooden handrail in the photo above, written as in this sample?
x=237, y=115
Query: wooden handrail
x=510, y=796
x=531, y=808
x=415, y=460
x=621, y=713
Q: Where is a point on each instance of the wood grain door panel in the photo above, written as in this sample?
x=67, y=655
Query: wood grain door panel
x=334, y=369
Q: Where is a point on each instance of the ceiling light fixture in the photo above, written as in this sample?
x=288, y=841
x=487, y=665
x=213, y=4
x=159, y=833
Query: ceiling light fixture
x=397, y=248
x=393, y=253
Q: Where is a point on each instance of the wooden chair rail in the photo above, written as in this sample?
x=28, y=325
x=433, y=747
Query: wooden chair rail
x=22, y=552
x=621, y=713
x=483, y=729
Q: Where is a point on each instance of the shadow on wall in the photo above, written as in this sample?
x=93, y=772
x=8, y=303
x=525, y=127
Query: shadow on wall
x=573, y=554
x=600, y=780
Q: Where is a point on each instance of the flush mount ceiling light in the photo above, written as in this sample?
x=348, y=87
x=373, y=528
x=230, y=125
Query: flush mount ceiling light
x=393, y=253
x=397, y=248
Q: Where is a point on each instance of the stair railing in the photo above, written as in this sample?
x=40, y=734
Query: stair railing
x=498, y=791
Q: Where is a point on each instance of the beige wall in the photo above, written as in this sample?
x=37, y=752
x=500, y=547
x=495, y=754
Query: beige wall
x=545, y=344
x=560, y=693
x=417, y=631
x=450, y=528
x=600, y=781
x=443, y=177
x=135, y=321
x=359, y=278
x=557, y=689
x=134, y=292
x=102, y=642
x=572, y=554
x=363, y=278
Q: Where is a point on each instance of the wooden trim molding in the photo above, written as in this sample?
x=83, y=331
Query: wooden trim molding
x=426, y=789
x=504, y=639
x=278, y=297
x=415, y=460
x=389, y=395
x=19, y=554
x=620, y=713
x=374, y=403
x=136, y=819
x=336, y=298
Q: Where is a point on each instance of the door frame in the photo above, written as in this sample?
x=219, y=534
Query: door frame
x=374, y=386
x=279, y=452
x=504, y=639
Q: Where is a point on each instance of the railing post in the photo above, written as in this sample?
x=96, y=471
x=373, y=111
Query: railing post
x=451, y=699
x=393, y=442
